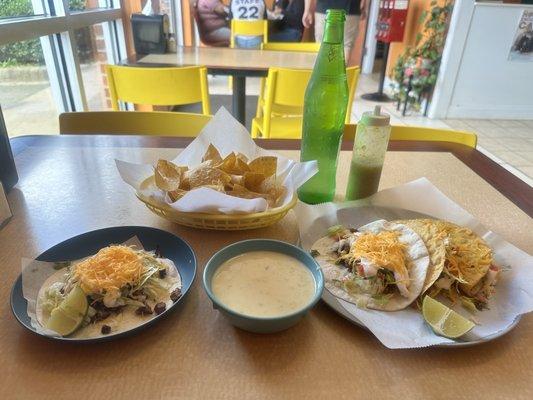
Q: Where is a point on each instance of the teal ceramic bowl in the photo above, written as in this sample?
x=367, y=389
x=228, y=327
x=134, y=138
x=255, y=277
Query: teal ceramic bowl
x=258, y=324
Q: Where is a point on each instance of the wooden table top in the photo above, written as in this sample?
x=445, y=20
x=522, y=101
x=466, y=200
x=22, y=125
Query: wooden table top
x=69, y=185
x=225, y=58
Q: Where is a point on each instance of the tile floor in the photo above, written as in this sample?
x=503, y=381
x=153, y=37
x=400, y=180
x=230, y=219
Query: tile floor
x=508, y=142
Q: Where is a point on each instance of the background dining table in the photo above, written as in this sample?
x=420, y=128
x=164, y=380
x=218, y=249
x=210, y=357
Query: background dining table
x=69, y=185
x=238, y=63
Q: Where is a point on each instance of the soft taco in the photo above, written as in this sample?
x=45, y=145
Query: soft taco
x=115, y=290
x=382, y=265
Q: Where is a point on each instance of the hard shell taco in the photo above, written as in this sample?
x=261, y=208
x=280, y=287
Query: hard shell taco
x=382, y=265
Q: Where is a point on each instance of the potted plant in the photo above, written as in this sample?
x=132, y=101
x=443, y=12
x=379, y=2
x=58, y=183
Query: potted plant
x=415, y=71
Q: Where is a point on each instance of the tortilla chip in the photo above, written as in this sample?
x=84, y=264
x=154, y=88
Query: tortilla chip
x=168, y=175
x=212, y=154
x=206, y=175
x=242, y=192
x=266, y=165
x=252, y=181
x=241, y=167
x=273, y=190
x=242, y=157
x=237, y=179
x=177, y=194
x=219, y=187
x=228, y=164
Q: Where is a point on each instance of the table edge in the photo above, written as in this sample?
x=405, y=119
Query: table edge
x=508, y=184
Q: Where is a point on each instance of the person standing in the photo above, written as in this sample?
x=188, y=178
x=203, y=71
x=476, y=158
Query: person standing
x=289, y=28
x=315, y=10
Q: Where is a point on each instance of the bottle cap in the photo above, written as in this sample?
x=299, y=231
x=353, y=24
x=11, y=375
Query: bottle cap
x=375, y=118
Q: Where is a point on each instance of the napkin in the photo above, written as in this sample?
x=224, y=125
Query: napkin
x=227, y=135
x=420, y=198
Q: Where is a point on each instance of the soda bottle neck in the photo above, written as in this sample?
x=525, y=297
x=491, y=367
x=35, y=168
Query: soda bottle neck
x=334, y=28
x=334, y=32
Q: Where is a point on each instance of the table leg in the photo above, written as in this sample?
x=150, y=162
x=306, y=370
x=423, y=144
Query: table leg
x=239, y=98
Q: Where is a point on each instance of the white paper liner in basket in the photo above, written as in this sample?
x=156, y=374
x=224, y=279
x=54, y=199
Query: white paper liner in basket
x=406, y=328
x=227, y=135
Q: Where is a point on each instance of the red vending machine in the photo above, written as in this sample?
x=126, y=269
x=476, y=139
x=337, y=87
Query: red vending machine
x=390, y=28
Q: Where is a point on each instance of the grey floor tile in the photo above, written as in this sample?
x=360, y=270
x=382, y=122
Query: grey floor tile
x=509, y=123
x=491, y=144
x=511, y=157
x=527, y=155
x=517, y=144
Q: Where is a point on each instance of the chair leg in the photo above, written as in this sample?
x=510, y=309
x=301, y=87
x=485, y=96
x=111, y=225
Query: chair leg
x=256, y=132
x=259, y=110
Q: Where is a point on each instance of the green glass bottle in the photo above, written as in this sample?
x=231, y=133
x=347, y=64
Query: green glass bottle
x=325, y=102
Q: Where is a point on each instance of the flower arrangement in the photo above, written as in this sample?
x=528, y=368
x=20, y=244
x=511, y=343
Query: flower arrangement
x=416, y=70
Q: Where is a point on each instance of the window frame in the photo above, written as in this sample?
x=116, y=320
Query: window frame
x=54, y=26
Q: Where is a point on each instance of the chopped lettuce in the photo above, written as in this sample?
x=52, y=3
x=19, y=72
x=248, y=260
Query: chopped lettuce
x=52, y=297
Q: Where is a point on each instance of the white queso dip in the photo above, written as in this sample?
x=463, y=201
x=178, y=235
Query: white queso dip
x=263, y=284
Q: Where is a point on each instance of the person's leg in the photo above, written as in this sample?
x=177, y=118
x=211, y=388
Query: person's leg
x=219, y=35
x=248, y=42
x=320, y=20
x=351, y=28
x=286, y=35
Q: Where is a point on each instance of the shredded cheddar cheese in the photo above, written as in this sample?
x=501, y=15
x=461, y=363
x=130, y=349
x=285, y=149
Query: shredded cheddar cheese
x=383, y=249
x=109, y=270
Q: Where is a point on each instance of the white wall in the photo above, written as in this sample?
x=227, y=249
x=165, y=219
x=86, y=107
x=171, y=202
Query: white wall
x=476, y=79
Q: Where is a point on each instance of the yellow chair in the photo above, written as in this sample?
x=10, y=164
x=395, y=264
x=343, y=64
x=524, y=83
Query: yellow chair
x=245, y=27
x=280, y=109
x=158, y=86
x=306, y=47
x=156, y=123
x=421, y=133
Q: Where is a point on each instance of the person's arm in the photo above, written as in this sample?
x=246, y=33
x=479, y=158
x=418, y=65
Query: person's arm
x=363, y=9
x=309, y=12
x=219, y=10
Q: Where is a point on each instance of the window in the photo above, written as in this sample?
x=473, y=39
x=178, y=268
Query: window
x=93, y=52
x=26, y=94
x=15, y=8
x=81, y=5
x=52, y=57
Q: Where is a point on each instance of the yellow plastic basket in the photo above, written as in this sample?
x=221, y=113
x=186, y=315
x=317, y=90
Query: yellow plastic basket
x=222, y=222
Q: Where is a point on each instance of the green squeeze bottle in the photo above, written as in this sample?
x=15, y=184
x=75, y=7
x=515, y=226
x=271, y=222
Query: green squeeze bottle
x=325, y=102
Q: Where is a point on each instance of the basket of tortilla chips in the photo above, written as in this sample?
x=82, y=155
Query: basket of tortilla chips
x=234, y=175
x=221, y=180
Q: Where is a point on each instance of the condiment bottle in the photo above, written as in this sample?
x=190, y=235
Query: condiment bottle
x=325, y=102
x=370, y=146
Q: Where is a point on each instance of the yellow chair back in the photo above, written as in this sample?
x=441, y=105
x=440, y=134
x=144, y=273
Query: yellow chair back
x=156, y=123
x=421, y=133
x=308, y=47
x=283, y=97
x=248, y=28
x=158, y=86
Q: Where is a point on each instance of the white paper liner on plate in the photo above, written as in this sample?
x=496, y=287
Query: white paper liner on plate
x=36, y=273
x=406, y=328
x=227, y=135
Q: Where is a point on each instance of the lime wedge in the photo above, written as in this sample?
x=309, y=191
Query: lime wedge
x=69, y=315
x=443, y=320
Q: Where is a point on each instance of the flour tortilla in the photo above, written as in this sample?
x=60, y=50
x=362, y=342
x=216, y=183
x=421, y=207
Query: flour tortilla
x=417, y=259
x=433, y=238
x=121, y=322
